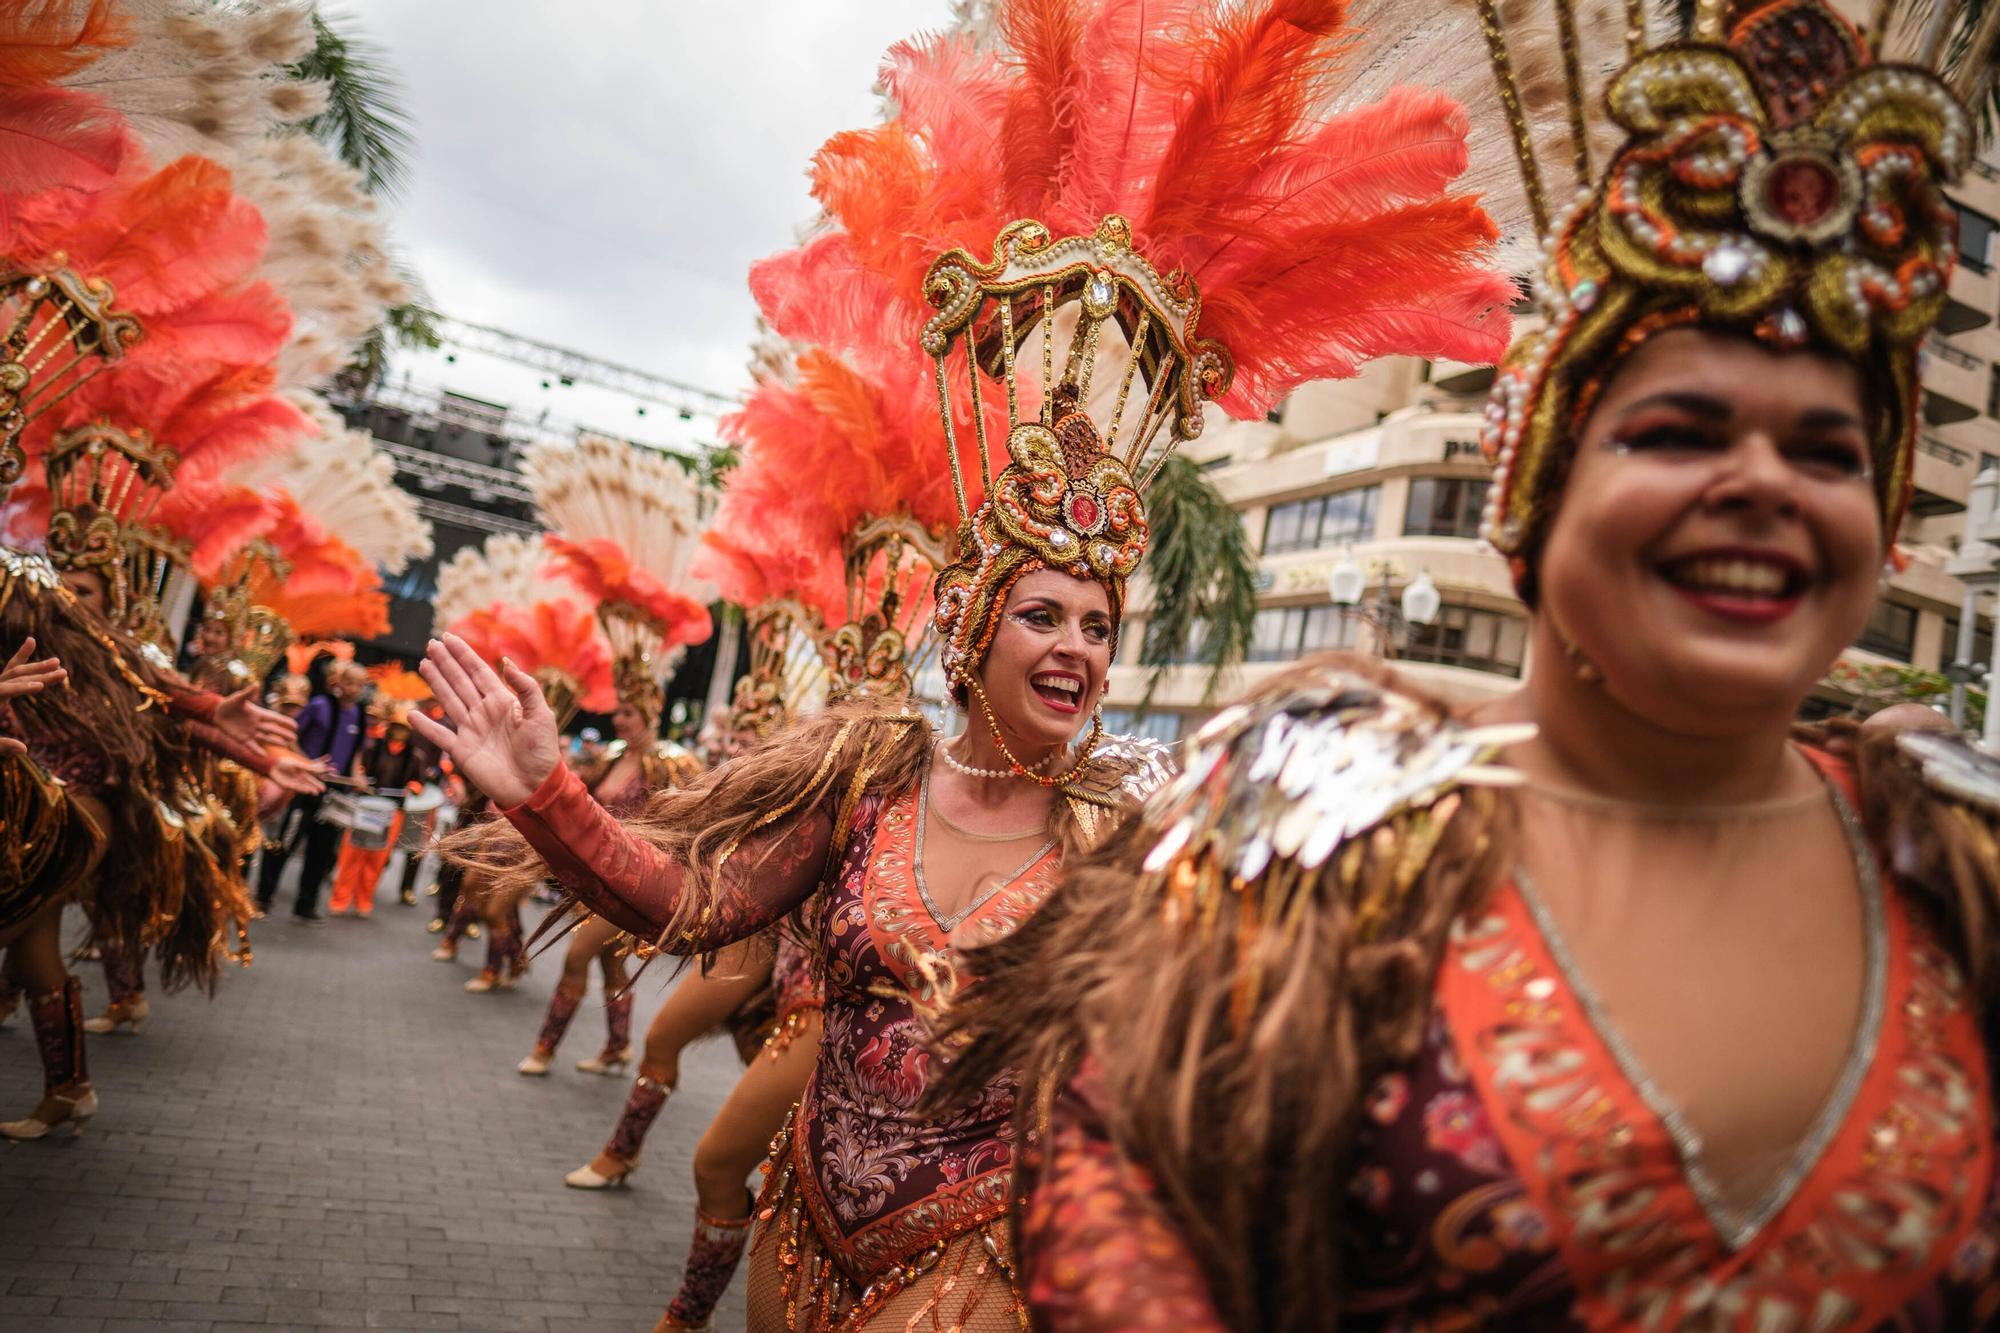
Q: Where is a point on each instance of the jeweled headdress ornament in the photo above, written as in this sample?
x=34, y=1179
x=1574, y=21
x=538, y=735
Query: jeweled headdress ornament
x=104, y=484
x=57, y=330
x=250, y=639
x=1775, y=179
x=1068, y=498
x=1164, y=182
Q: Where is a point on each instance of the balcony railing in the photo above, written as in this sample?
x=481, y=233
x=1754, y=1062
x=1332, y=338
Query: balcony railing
x=1950, y=453
x=1944, y=351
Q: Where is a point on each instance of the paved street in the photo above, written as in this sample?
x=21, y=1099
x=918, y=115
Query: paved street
x=339, y=1139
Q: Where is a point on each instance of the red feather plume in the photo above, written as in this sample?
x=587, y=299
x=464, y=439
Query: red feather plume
x=557, y=634
x=604, y=573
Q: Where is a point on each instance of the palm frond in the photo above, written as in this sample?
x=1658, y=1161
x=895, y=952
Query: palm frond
x=1203, y=578
x=365, y=122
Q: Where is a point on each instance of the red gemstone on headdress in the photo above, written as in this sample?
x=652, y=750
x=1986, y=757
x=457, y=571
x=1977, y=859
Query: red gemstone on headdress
x=1083, y=511
x=1801, y=190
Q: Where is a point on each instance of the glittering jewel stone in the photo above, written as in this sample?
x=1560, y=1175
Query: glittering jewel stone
x=1801, y=190
x=1727, y=265
x=1083, y=511
x=1101, y=290
x=1583, y=296
x=1791, y=327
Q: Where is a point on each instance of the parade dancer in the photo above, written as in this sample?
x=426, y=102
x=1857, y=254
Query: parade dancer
x=894, y=852
x=622, y=525
x=1680, y=1018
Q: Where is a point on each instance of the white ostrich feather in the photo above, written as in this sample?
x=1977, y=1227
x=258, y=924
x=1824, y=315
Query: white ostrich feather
x=506, y=569
x=213, y=80
x=344, y=482
x=637, y=497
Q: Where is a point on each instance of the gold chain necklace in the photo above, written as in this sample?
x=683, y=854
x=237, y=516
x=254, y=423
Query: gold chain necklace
x=1020, y=770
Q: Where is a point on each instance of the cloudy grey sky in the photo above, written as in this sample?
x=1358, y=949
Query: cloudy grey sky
x=600, y=174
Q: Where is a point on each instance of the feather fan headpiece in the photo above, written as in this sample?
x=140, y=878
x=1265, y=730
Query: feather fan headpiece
x=557, y=643
x=627, y=522
x=1208, y=224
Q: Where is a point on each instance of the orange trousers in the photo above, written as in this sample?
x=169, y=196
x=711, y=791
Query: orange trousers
x=355, y=876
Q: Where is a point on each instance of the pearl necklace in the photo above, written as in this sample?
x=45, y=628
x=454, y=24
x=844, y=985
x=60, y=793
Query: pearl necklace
x=960, y=766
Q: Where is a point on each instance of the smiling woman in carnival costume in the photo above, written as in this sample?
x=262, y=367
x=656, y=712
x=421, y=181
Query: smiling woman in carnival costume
x=1315, y=242
x=1676, y=1021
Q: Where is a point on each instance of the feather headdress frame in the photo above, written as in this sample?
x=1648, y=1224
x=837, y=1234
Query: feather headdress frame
x=1775, y=180
x=57, y=330
x=104, y=485
x=627, y=523
x=1233, y=228
x=240, y=641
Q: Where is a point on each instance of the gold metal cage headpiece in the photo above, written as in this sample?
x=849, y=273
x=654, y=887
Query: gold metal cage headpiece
x=57, y=330
x=104, y=484
x=255, y=637
x=880, y=649
x=1069, y=497
x=788, y=667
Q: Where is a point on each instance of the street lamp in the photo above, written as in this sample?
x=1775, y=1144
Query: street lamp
x=1390, y=618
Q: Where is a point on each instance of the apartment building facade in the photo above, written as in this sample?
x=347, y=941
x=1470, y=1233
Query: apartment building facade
x=1383, y=474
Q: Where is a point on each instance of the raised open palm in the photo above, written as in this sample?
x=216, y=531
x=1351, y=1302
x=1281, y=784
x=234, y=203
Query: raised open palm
x=502, y=735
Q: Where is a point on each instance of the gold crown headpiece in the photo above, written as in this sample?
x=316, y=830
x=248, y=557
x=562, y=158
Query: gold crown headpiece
x=640, y=664
x=878, y=651
x=1774, y=180
x=787, y=668
x=254, y=637
x=57, y=330
x=104, y=483
x=1123, y=379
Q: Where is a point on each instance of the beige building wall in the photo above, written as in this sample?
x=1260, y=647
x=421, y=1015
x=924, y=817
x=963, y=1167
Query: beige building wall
x=1385, y=469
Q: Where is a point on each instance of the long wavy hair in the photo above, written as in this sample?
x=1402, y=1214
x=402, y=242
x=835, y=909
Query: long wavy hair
x=1248, y=1128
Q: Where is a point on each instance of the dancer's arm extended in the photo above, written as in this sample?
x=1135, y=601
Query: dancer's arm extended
x=503, y=737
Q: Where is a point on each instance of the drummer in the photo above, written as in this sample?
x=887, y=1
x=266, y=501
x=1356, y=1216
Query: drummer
x=392, y=768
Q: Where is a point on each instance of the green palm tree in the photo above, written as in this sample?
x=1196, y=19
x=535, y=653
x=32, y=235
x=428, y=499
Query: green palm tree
x=367, y=126
x=1202, y=575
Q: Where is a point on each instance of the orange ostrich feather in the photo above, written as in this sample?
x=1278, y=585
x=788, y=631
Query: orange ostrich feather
x=331, y=592
x=756, y=552
x=42, y=41
x=553, y=634
x=1318, y=241
x=603, y=572
x=172, y=239
x=394, y=681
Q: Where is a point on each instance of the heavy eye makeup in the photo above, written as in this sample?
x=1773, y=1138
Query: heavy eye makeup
x=1825, y=452
x=1037, y=616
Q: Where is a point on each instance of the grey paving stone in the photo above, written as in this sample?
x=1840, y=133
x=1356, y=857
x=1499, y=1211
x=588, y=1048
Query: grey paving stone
x=338, y=1140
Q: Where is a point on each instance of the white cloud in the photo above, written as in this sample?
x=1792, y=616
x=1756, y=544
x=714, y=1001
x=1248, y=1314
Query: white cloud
x=600, y=174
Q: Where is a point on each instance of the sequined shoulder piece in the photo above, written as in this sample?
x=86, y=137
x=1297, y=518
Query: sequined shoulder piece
x=1123, y=771
x=1326, y=769
x=1953, y=767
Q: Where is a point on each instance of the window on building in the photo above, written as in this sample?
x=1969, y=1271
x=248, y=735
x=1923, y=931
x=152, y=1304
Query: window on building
x=1471, y=637
x=1340, y=519
x=1159, y=726
x=1891, y=631
x=1993, y=390
x=1975, y=238
x=1445, y=507
x=1287, y=633
x=1982, y=642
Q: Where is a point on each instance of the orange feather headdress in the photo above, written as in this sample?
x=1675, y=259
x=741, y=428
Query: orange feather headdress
x=626, y=522
x=1236, y=232
x=556, y=642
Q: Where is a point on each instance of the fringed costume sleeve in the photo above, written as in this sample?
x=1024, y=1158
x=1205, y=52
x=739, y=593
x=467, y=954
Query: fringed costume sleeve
x=640, y=889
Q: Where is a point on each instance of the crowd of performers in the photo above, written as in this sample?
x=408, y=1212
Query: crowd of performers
x=1620, y=1001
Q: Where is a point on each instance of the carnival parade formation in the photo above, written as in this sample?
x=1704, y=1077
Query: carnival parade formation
x=1639, y=995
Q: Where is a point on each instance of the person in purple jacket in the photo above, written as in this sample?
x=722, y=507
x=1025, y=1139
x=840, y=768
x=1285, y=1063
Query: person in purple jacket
x=330, y=728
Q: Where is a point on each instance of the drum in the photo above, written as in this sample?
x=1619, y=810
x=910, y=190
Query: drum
x=366, y=818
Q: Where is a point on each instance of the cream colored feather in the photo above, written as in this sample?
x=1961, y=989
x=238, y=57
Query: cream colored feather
x=214, y=80
x=639, y=498
x=507, y=569
x=349, y=486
